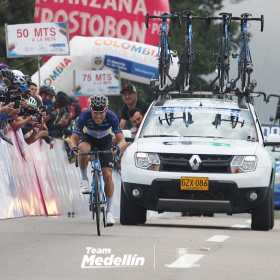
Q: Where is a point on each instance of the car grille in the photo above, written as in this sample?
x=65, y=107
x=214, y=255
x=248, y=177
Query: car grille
x=209, y=163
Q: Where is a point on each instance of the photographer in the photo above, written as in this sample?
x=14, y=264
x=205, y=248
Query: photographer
x=34, y=127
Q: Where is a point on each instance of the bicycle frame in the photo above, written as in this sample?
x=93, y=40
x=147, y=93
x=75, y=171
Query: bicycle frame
x=97, y=197
x=164, y=52
x=186, y=60
x=224, y=53
x=96, y=169
x=245, y=58
x=183, y=79
x=245, y=63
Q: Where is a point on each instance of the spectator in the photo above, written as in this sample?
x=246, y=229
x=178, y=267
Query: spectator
x=60, y=117
x=135, y=116
x=130, y=100
x=47, y=94
x=33, y=89
x=34, y=127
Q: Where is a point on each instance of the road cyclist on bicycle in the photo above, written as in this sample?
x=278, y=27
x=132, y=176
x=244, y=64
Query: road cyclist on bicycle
x=93, y=130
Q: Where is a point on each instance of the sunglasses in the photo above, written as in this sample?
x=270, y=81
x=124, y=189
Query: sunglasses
x=99, y=112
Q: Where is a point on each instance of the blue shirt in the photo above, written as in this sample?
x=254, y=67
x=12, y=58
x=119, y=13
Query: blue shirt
x=86, y=125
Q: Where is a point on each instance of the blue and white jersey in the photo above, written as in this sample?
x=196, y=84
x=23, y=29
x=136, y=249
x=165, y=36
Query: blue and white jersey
x=86, y=125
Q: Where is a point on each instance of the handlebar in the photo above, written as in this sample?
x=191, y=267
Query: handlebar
x=96, y=152
x=272, y=95
x=164, y=16
x=244, y=16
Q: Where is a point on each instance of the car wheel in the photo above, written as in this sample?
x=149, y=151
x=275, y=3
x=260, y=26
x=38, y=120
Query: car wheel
x=131, y=213
x=263, y=216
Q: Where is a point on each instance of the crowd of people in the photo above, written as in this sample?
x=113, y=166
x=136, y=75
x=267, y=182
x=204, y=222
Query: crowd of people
x=39, y=112
x=43, y=114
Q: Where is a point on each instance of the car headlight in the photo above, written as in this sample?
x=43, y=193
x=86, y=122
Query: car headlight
x=242, y=164
x=149, y=161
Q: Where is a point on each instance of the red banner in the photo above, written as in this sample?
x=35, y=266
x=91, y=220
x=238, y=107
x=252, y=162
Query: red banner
x=113, y=18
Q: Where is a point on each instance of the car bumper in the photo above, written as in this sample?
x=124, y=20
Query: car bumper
x=222, y=197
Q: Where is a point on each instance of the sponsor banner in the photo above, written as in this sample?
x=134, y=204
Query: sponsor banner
x=104, y=82
x=131, y=67
x=37, y=39
x=123, y=19
x=134, y=61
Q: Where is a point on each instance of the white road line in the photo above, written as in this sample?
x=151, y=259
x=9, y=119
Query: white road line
x=154, y=257
x=186, y=261
x=240, y=226
x=218, y=238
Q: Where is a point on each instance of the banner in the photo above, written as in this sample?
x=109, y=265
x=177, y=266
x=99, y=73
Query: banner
x=134, y=61
x=37, y=39
x=96, y=82
x=123, y=19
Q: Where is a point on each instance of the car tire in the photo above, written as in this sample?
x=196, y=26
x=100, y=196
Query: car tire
x=131, y=213
x=263, y=216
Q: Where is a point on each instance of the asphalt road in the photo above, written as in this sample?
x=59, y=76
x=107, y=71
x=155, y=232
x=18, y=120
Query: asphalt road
x=167, y=247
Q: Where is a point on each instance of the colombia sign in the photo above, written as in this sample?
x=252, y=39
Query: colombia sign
x=123, y=19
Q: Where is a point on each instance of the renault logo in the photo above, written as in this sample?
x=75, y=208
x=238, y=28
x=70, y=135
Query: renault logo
x=195, y=162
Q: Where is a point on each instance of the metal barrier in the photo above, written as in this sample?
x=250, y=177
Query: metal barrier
x=37, y=180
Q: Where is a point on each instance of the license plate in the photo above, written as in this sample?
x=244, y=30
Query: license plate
x=194, y=184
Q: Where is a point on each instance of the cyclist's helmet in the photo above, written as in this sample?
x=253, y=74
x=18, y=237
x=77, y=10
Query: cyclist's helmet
x=98, y=103
x=19, y=77
x=32, y=102
x=7, y=74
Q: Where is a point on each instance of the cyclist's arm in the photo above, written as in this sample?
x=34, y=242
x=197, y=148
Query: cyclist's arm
x=74, y=140
x=119, y=138
x=77, y=133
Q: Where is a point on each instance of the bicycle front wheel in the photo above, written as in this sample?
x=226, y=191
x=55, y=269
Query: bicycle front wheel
x=96, y=203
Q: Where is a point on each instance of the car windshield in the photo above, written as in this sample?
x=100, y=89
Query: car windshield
x=200, y=121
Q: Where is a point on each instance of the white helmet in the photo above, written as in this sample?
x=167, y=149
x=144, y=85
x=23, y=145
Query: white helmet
x=98, y=103
x=32, y=102
x=19, y=77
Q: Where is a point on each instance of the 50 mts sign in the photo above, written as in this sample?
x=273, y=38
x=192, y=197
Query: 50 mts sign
x=41, y=32
x=37, y=39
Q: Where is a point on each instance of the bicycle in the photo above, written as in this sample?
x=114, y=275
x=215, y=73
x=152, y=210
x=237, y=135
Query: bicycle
x=186, y=59
x=165, y=55
x=245, y=63
x=97, y=196
x=224, y=53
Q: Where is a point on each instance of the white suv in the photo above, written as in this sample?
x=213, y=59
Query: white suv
x=198, y=154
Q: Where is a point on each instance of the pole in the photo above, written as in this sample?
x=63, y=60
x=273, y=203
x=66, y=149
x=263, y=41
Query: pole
x=39, y=73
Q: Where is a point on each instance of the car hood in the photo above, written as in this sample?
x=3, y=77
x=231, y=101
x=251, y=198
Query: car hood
x=196, y=146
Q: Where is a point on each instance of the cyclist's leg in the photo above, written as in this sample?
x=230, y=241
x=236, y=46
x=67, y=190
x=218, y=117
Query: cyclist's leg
x=85, y=147
x=109, y=186
x=107, y=163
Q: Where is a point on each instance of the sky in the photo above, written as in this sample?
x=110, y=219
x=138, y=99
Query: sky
x=264, y=47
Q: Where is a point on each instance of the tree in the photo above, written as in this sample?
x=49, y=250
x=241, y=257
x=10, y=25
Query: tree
x=15, y=12
x=205, y=37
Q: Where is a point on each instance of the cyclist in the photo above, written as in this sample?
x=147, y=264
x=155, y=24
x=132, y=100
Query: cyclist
x=93, y=129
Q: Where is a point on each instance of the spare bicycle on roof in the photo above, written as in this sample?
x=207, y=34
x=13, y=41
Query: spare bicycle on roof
x=242, y=86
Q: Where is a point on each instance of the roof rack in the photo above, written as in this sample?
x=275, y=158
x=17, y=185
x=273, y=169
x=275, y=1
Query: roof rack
x=243, y=99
